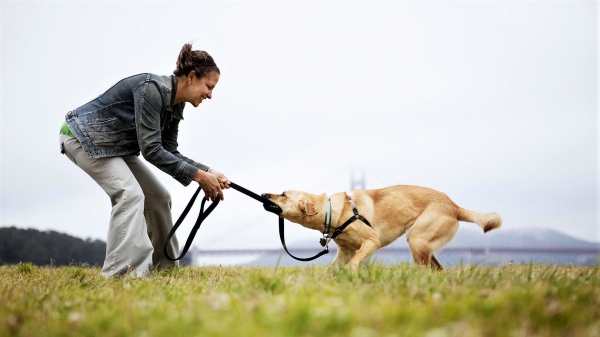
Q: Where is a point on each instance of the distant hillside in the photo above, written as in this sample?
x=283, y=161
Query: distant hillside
x=30, y=245
x=41, y=247
x=473, y=237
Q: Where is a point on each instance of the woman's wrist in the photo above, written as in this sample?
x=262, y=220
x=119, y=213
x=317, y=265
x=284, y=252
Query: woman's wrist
x=199, y=176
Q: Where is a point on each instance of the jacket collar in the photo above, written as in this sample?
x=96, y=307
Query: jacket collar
x=177, y=109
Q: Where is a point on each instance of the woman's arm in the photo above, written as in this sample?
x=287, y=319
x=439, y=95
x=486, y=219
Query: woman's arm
x=147, y=104
x=169, y=141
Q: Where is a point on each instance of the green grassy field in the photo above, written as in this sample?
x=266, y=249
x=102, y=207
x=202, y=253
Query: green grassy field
x=382, y=300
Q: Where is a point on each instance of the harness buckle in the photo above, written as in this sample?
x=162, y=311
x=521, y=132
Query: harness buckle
x=324, y=241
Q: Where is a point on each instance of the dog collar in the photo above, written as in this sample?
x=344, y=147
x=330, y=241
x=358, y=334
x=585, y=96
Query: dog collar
x=325, y=239
x=327, y=222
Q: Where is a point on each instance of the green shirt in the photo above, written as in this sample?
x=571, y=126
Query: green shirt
x=65, y=129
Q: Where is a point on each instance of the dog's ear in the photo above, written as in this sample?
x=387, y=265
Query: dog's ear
x=308, y=206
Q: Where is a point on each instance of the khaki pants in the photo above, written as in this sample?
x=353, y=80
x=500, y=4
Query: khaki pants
x=141, y=211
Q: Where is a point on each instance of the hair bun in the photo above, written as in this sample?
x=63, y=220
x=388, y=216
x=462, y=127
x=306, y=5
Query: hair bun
x=185, y=59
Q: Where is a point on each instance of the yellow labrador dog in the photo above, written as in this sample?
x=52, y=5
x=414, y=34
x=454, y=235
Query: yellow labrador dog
x=428, y=217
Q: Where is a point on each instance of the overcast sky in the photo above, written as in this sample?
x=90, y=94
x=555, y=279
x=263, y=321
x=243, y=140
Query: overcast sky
x=492, y=102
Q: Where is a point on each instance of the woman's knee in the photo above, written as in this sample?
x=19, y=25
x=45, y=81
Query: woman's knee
x=159, y=195
x=136, y=194
x=130, y=194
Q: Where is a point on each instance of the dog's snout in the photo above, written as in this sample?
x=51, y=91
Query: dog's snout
x=270, y=205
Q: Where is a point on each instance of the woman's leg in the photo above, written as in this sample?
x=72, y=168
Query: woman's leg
x=157, y=211
x=128, y=247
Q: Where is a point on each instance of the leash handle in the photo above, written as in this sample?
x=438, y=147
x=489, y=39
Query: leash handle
x=281, y=236
x=201, y=217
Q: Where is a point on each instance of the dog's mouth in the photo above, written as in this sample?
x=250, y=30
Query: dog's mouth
x=271, y=207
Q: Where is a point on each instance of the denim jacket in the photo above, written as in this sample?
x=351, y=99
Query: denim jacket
x=134, y=116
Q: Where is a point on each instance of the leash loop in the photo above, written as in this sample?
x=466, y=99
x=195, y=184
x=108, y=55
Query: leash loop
x=281, y=236
x=281, y=223
x=203, y=215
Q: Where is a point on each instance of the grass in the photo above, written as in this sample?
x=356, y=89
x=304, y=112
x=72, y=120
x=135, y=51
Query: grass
x=381, y=300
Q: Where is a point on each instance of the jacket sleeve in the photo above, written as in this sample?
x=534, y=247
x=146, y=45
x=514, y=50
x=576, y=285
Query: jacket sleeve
x=169, y=142
x=148, y=102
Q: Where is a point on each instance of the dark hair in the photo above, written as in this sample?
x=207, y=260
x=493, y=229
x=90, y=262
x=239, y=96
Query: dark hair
x=198, y=60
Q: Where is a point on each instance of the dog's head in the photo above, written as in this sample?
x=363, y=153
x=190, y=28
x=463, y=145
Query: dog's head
x=295, y=206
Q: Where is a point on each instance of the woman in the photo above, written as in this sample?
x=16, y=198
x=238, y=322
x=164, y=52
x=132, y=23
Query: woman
x=141, y=114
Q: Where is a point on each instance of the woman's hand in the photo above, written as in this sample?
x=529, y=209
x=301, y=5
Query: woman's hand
x=212, y=183
x=224, y=182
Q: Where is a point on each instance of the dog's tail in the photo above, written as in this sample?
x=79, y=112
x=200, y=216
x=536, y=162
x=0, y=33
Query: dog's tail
x=487, y=221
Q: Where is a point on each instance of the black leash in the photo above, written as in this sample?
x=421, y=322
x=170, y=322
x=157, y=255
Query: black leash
x=203, y=215
x=323, y=252
x=281, y=221
x=201, y=218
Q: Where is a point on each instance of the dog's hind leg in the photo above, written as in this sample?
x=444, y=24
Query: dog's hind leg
x=435, y=264
x=430, y=233
x=421, y=253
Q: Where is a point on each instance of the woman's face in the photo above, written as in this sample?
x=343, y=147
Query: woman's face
x=201, y=88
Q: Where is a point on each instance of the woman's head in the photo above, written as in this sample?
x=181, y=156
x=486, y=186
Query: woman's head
x=197, y=74
x=198, y=61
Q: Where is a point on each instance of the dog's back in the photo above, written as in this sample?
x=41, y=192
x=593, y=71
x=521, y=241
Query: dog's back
x=411, y=201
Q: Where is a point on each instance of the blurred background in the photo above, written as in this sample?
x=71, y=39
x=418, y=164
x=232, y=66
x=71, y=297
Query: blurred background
x=492, y=102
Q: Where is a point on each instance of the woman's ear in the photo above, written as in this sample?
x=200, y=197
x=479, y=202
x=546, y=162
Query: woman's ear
x=308, y=206
x=190, y=77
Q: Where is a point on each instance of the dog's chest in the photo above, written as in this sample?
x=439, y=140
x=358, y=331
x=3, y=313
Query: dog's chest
x=349, y=242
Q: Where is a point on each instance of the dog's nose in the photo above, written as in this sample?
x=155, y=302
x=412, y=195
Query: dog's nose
x=265, y=195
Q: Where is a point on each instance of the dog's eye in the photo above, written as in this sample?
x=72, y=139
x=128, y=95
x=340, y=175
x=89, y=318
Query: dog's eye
x=283, y=194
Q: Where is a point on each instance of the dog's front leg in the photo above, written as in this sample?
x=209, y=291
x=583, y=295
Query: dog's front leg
x=341, y=258
x=334, y=265
x=368, y=247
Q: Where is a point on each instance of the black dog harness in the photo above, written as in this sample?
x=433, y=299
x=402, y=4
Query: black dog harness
x=356, y=216
x=326, y=237
x=203, y=215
